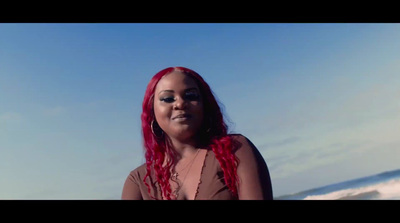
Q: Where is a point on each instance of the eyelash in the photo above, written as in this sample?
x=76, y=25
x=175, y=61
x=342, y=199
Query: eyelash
x=189, y=96
x=167, y=100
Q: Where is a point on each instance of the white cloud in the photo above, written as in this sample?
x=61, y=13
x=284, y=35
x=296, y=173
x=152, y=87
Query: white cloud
x=343, y=154
x=11, y=117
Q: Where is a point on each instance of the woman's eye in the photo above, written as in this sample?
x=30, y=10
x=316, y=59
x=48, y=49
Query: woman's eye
x=167, y=99
x=192, y=96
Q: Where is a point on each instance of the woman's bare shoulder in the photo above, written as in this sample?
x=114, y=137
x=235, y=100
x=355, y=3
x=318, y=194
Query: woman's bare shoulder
x=238, y=137
x=240, y=141
x=235, y=135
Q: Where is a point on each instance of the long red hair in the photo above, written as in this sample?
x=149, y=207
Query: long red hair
x=213, y=134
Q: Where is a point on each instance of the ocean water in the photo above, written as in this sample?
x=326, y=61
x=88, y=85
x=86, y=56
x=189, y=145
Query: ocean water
x=383, y=186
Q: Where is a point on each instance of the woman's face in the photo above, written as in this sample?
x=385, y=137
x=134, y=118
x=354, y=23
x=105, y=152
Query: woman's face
x=178, y=105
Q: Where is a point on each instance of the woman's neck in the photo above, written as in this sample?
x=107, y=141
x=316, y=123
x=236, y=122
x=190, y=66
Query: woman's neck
x=184, y=148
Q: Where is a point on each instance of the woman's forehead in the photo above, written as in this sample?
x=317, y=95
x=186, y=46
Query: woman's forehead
x=175, y=81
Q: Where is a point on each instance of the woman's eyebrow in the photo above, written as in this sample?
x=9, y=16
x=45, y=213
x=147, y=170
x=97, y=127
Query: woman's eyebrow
x=191, y=89
x=172, y=91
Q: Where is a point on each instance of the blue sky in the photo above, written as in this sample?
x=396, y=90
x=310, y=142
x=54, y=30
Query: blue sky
x=320, y=101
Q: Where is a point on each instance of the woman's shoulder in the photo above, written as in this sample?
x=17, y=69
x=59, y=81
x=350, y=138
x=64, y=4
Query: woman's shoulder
x=242, y=144
x=240, y=140
x=139, y=172
x=238, y=137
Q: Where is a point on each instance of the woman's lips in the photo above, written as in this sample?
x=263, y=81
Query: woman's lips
x=181, y=117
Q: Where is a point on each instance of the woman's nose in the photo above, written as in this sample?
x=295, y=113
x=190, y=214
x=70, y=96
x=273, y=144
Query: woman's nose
x=180, y=103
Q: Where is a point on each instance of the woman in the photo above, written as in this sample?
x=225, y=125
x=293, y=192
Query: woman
x=189, y=154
